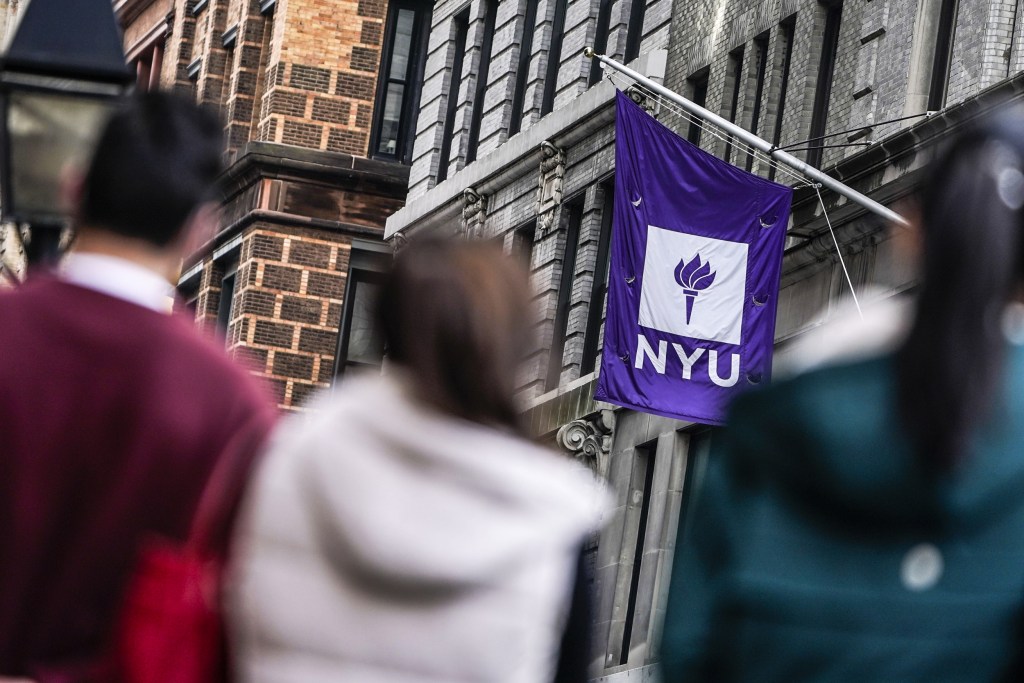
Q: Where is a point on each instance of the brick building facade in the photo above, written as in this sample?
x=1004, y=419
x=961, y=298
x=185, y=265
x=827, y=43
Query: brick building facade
x=514, y=142
x=305, y=199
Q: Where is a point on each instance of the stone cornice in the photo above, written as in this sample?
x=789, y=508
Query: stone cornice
x=260, y=160
x=888, y=171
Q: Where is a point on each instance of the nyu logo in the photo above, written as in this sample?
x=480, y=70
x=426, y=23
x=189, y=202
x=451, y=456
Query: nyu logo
x=678, y=274
x=659, y=360
x=694, y=277
x=681, y=294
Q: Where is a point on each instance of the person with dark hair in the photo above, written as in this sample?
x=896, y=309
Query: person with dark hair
x=113, y=412
x=406, y=530
x=864, y=521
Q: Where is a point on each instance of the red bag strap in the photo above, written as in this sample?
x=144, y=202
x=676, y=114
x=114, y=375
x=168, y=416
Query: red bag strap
x=218, y=504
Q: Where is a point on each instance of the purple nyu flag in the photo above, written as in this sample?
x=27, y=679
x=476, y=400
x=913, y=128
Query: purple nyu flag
x=694, y=281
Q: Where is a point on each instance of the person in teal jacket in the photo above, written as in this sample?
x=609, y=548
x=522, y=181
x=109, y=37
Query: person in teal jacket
x=865, y=521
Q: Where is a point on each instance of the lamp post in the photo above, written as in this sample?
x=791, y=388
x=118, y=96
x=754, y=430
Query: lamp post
x=64, y=71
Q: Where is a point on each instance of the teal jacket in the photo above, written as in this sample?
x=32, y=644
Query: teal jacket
x=818, y=549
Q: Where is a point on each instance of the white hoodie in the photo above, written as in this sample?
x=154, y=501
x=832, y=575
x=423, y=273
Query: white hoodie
x=385, y=542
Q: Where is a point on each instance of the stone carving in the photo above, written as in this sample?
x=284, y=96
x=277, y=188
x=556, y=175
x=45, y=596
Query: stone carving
x=398, y=242
x=474, y=212
x=549, y=192
x=642, y=99
x=589, y=440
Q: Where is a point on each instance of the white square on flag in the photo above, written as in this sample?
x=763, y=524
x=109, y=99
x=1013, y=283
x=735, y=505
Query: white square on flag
x=716, y=309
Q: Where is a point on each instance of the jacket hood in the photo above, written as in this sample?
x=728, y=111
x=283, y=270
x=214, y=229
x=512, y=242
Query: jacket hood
x=832, y=442
x=404, y=498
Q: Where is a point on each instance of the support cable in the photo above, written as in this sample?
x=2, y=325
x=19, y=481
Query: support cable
x=842, y=261
x=754, y=141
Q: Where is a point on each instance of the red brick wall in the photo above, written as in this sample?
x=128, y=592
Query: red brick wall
x=288, y=307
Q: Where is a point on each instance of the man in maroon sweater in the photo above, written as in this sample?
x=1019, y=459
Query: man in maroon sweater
x=113, y=412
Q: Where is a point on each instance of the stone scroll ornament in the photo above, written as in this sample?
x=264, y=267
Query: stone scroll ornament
x=694, y=280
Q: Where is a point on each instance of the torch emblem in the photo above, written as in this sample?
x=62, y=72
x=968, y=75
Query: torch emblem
x=693, y=277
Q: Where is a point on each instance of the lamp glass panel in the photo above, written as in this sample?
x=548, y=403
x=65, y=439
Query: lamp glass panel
x=49, y=135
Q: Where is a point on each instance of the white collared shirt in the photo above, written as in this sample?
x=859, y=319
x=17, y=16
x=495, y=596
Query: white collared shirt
x=120, y=278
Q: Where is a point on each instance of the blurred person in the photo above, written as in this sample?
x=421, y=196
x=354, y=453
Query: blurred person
x=864, y=520
x=408, y=530
x=113, y=412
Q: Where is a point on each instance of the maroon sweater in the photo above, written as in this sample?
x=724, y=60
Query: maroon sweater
x=111, y=419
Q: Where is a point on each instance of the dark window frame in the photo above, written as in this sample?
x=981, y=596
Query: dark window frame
x=599, y=290
x=760, y=74
x=525, y=234
x=823, y=89
x=572, y=214
x=698, y=95
x=736, y=64
x=787, y=31
x=483, y=74
x=412, y=84
x=460, y=24
x=515, y=123
x=604, y=20
x=647, y=453
x=366, y=266
x=554, y=64
x=942, y=62
x=228, y=285
x=635, y=29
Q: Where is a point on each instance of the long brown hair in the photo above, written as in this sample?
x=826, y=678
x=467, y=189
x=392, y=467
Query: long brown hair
x=454, y=314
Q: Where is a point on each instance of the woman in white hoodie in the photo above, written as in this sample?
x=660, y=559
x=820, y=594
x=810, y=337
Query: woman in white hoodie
x=406, y=530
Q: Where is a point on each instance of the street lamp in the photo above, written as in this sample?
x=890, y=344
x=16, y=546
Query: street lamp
x=63, y=73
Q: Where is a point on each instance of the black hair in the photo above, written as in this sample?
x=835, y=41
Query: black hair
x=951, y=365
x=157, y=159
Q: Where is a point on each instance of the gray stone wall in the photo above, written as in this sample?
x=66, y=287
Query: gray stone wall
x=573, y=72
x=883, y=67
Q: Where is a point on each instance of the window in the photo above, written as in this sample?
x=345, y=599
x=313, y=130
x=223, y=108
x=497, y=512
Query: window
x=595, y=316
x=736, y=76
x=187, y=292
x=523, y=69
x=635, y=30
x=641, y=484
x=760, y=59
x=401, y=74
x=699, y=96
x=522, y=243
x=573, y=215
x=554, y=58
x=227, y=293
x=359, y=341
x=604, y=18
x=943, y=55
x=823, y=91
x=785, y=48
x=482, y=75
x=460, y=24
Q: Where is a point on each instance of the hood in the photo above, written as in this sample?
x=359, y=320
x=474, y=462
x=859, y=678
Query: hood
x=831, y=441
x=406, y=498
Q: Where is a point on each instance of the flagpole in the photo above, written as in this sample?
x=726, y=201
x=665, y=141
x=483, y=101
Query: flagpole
x=754, y=141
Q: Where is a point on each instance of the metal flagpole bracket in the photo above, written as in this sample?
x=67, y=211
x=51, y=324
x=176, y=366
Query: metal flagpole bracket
x=754, y=141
